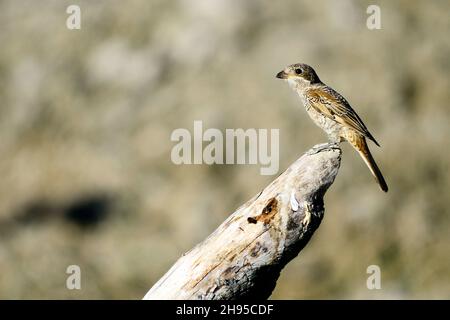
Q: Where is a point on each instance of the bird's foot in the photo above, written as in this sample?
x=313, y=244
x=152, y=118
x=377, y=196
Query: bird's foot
x=324, y=146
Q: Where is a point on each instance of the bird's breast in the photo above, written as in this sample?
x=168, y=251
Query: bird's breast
x=330, y=126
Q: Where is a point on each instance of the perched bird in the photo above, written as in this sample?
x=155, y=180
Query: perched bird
x=331, y=112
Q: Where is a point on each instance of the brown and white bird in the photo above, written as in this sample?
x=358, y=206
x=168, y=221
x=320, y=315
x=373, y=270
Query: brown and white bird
x=331, y=112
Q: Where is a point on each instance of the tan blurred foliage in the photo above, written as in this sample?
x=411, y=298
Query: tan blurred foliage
x=86, y=117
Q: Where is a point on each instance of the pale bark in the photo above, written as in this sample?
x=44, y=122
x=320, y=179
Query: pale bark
x=243, y=257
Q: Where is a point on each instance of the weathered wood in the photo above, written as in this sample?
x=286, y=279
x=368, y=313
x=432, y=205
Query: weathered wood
x=244, y=256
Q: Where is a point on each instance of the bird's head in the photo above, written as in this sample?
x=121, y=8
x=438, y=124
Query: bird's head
x=299, y=75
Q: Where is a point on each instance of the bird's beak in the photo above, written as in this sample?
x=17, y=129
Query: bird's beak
x=282, y=75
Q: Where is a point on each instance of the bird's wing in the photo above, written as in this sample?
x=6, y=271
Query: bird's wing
x=334, y=106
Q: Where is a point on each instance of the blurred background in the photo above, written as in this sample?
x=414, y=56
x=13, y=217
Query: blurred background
x=86, y=117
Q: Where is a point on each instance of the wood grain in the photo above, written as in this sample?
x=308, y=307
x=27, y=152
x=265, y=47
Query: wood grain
x=244, y=256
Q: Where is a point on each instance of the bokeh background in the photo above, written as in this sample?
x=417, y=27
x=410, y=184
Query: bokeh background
x=86, y=117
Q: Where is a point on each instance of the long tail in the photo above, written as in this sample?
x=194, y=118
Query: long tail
x=361, y=146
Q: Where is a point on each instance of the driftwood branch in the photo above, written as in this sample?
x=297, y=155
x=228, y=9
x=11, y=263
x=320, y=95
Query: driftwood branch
x=244, y=256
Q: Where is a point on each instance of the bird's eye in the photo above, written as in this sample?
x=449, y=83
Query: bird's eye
x=298, y=71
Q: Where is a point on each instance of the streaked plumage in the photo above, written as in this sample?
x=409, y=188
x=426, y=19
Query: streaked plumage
x=331, y=112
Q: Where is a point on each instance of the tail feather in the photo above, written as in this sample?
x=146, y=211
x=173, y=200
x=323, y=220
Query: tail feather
x=365, y=154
